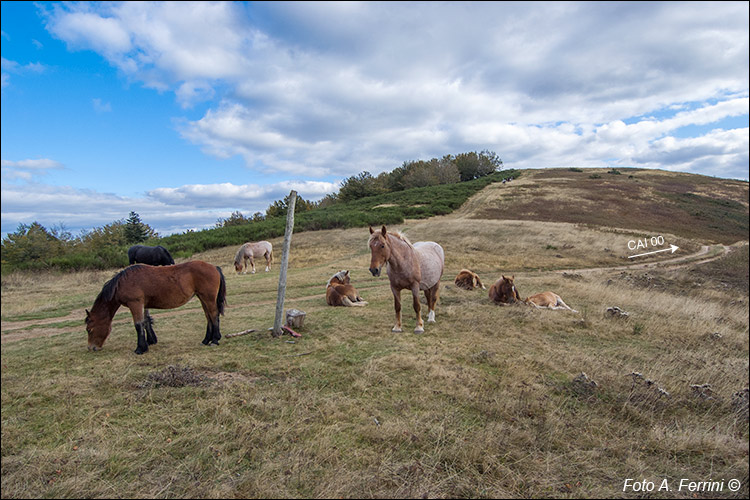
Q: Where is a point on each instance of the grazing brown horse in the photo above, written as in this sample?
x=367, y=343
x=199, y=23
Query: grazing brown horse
x=503, y=291
x=339, y=291
x=549, y=300
x=468, y=280
x=413, y=267
x=141, y=287
x=251, y=251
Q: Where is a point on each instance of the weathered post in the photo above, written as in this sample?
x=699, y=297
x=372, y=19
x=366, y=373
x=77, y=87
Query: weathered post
x=292, y=201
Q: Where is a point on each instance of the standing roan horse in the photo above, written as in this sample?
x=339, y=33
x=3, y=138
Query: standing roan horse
x=141, y=287
x=339, y=291
x=413, y=267
x=251, y=251
x=153, y=256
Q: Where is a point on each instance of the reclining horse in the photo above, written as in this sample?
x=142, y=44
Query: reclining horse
x=504, y=292
x=549, y=300
x=339, y=291
x=468, y=280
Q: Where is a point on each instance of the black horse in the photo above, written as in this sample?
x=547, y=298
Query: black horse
x=154, y=256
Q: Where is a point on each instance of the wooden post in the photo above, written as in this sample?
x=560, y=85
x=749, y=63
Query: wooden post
x=292, y=201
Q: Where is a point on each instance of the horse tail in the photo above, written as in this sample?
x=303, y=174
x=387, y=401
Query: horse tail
x=221, y=297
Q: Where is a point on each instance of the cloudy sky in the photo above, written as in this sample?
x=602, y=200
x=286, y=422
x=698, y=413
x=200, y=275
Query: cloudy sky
x=186, y=112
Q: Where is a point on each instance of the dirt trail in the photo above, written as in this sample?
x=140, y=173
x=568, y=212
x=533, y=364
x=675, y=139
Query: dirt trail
x=13, y=331
x=673, y=263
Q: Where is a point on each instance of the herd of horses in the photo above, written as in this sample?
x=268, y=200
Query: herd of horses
x=154, y=281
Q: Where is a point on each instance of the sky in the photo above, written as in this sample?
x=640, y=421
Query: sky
x=185, y=112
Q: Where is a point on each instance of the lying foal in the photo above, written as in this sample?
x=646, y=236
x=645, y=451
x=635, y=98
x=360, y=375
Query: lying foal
x=340, y=293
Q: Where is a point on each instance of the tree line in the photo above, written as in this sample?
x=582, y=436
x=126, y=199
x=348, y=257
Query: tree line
x=32, y=246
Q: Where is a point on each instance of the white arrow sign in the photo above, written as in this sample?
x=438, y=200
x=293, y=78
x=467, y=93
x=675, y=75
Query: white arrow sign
x=671, y=247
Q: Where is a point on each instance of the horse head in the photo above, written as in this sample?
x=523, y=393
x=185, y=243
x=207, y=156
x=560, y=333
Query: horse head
x=340, y=278
x=98, y=330
x=380, y=250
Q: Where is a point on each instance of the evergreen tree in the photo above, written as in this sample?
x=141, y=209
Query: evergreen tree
x=136, y=231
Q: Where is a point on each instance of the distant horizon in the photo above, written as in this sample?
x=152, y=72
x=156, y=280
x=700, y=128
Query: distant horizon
x=249, y=215
x=185, y=112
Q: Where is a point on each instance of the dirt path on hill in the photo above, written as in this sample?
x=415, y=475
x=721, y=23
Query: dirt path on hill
x=13, y=331
x=673, y=263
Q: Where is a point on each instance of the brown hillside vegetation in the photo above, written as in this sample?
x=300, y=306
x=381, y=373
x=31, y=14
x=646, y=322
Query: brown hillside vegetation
x=490, y=402
x=687, y=205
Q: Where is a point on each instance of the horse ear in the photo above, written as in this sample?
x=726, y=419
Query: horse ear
x=371, y=231
x=87, y=313
x=382, y=231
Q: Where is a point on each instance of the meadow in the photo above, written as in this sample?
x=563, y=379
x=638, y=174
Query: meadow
x=489, y=402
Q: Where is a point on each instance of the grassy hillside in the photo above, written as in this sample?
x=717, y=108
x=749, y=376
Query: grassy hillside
x=490, y=402
x=688, y=205
x=389, y=208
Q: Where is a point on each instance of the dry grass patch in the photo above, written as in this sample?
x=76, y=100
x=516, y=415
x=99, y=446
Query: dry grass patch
x=690, y=206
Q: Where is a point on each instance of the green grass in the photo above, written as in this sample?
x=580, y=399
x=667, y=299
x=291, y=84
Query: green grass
x=487, y=403
x=389, y=209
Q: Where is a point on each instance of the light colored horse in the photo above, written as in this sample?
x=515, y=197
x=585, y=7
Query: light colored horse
x=468, y=280
x=339, y=291
x=251, y=251
x=414, y=267
x=550, y=300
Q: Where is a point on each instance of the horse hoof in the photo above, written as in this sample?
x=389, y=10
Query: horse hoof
x=396, y=330
x=419, y=330
x=138, y=351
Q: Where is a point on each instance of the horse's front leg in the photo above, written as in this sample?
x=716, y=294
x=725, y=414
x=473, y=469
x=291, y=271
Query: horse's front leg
x=252, y=263
x=397, y=306
x=417, y=308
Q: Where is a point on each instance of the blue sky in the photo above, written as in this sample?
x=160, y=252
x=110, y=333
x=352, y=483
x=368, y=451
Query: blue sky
x=186, y=112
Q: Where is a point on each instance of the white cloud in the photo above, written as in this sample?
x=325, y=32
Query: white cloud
x=167, y=210
x=101, y=106
x=28, y=169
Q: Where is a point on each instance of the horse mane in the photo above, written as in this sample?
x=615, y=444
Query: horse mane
x=238, y=257
x=340, y=275
x=110, y=287
x=395, y=233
